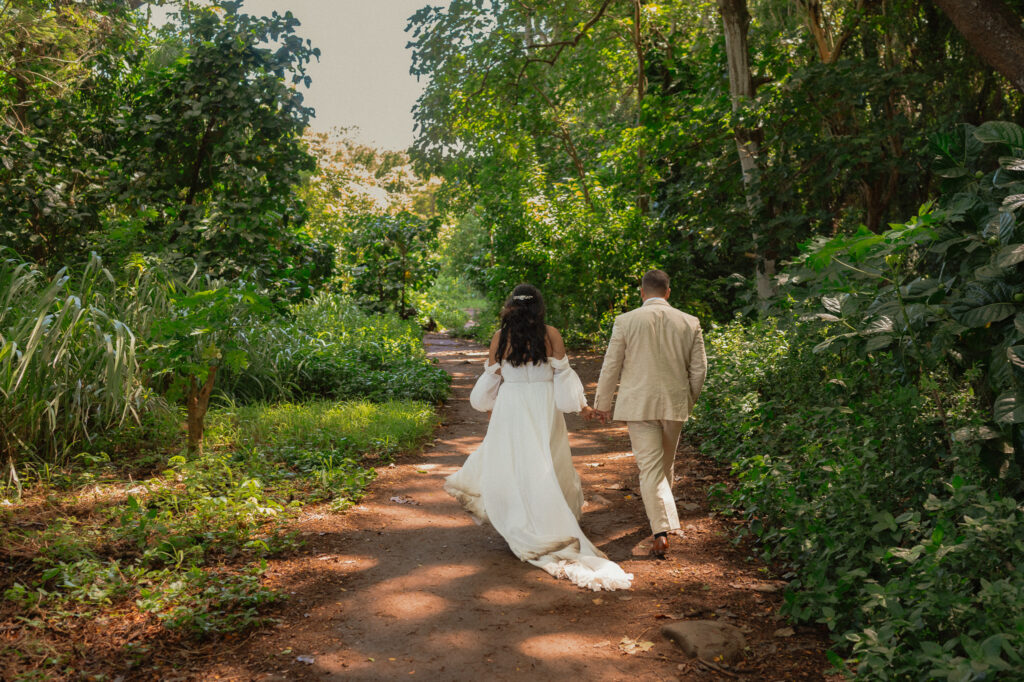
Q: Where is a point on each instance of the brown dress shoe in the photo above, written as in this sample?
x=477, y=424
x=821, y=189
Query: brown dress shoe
x=660, y=546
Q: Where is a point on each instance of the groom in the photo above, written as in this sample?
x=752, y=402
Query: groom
x=656, y=357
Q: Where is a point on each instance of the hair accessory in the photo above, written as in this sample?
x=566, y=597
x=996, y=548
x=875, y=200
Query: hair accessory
x=523, y=297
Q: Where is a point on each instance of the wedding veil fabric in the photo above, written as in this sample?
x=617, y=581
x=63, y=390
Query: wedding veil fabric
x=521, y=479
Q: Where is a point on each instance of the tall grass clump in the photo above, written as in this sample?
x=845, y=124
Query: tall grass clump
x=68, y=368
x=329, y=348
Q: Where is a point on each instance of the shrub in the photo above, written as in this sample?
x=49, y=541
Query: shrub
x=894, y=542
x=329, y=348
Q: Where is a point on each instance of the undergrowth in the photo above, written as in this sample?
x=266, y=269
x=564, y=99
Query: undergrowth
x=894, y=535
x=185, y=546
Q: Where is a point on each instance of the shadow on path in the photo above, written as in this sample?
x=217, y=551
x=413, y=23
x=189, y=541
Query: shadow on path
x=406, y=586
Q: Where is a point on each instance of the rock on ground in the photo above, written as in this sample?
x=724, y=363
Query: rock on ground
x=707, y=639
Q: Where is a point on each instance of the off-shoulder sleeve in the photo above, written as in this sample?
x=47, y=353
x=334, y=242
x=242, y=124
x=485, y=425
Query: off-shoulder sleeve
x=485, y=391
x=569, y=393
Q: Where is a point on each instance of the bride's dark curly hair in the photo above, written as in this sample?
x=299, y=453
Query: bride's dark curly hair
x=523, y=333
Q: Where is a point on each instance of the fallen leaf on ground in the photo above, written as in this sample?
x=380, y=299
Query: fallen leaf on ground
x=598, y=600
x=402, y=499
x=784, y=632
x=308, y=660
x=670, y=616
x=632, y=646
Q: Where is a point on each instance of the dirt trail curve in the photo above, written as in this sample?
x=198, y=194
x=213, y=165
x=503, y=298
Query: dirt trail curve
x=406, y=586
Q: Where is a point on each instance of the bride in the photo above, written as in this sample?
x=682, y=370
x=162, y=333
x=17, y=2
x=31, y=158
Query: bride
x=521, y=479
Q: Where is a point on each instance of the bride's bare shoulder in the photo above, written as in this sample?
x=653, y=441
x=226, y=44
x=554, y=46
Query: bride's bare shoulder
x=556, y=346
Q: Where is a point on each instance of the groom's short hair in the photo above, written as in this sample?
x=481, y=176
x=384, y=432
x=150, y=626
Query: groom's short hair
x=655, y=282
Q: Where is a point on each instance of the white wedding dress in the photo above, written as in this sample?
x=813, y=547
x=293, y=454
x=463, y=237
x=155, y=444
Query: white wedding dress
x=521, y=479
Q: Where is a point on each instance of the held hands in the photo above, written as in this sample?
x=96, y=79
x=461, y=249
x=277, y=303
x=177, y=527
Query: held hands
x=590, y=414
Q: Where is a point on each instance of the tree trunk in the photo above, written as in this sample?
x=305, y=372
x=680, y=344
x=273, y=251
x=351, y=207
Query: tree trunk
x=735, y=22
x=197, y=402
x=995, y=33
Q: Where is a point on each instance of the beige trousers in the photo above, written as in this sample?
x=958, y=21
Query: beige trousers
x=654, y=447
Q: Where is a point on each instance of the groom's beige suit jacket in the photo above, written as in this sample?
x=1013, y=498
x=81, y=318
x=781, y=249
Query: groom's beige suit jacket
x=656, y=356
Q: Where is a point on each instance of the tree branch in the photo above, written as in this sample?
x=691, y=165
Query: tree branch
x=579, y=36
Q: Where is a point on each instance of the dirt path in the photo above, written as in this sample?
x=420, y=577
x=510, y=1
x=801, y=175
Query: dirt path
x=405, y=585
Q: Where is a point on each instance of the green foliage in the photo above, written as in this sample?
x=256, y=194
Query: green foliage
x=198, y=336
x=213, y=147
x=205, y=604
x=186, y=546
x=583, y=142
x=892, y=541
x=944, y=288
x=453, y=304
x=330, y=348
x=390, y=259
x=183, y=142
x=68, y=368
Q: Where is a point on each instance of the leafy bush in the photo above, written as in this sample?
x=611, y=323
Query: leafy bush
x=890, y=539
x=331, y=349
x=390, y=258
x=944, y=290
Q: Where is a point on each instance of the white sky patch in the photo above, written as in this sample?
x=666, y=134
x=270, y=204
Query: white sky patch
x=362, y=79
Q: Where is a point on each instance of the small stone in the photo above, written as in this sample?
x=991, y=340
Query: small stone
x=707, y=639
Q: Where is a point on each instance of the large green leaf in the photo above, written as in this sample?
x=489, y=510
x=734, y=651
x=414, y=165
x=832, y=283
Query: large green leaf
x=979, y=317
x=878, y=343
x=1012, y=163
x=1010, y=255
x=1013, y=202
x=1008, y=409
x=1000, y=131
x=1002, y=226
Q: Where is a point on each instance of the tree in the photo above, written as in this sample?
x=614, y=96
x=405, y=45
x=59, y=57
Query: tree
x=994, y=31
x=213, y=149
x=195, y=340
x=390, y=257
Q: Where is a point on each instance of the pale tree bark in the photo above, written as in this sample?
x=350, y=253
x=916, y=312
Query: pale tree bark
x=735, y=23
x=995, y=33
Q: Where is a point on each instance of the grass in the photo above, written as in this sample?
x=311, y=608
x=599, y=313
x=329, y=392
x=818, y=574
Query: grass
x=134, y=561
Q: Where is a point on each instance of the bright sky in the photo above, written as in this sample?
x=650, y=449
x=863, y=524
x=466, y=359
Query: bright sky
x=363, y=76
